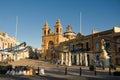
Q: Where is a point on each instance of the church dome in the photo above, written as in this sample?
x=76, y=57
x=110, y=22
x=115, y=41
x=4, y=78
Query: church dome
x=69, y=33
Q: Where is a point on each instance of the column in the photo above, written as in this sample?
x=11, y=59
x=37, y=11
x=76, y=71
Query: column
x=77, y=59
x=69, y=61
x=80, y=57
x=86, y=62
x=72, y=58
x=62, y=57
x=66, y=58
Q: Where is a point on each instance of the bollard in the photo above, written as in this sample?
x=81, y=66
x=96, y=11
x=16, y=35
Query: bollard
x=95, y=71
x=109, y=70
x=65, y=70
x=80, y=71
x=38, y=70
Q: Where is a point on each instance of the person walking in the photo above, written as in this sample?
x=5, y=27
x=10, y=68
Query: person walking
x=58, y=63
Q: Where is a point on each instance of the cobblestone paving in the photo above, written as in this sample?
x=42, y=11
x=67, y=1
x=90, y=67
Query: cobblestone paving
x=10, y=77
x=52, y=72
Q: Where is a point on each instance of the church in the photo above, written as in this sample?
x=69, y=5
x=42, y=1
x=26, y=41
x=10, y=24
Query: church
x=50, y=39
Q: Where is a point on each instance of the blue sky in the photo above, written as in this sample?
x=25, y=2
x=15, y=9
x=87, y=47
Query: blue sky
x=32, y=14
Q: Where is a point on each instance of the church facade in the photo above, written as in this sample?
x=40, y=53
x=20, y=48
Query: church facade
x=50, y=39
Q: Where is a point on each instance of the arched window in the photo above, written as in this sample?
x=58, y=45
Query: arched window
x=57, y=30
x=44, y=32
x=98, y=46
x=49, y=31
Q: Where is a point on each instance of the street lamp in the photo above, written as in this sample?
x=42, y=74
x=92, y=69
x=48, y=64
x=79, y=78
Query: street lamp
x=3, y=49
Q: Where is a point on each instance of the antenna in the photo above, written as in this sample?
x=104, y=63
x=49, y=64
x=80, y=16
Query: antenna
x=80, y=22
x=16, y=26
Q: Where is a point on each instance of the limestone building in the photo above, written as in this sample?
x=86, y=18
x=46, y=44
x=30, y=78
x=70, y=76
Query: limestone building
x=50, y=39
x=7, y=43
x=87, y=50
x=81, y=49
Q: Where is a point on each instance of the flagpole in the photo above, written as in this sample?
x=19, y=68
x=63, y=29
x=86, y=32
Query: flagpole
x=80, y=22
x=15, y=56
x=16, y=26
x=80, y=33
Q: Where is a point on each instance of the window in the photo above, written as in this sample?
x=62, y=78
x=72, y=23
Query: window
x=87, y=45
x=44, y=32
x=56, y=30
x=119, y=49
x=98, y=46
x=48, y=31
x=107, y=46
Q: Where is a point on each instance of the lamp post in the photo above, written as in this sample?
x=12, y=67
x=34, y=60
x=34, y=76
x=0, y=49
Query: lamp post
x=3, y=49
x=65, y=69
x=80, y=71
x=2, y=56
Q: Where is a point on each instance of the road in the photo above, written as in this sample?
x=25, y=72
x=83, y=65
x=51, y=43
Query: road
x=52, y=72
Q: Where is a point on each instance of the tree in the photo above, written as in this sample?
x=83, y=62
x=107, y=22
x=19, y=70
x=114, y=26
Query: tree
x=31, y=52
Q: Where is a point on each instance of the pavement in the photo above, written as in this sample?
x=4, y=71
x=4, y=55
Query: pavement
x=53, y=72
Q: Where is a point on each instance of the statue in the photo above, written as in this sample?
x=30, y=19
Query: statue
x=104, y=55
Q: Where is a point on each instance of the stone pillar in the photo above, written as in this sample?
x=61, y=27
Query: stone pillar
x=72, y=58
x=86, y=61
x=66, y=58
x=77, y=59
x=62, y=57
x=69, y=57
x=80, y=57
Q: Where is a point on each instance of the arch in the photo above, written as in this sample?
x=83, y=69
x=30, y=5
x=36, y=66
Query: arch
x=50, y=44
